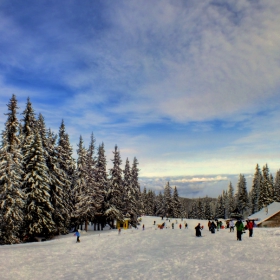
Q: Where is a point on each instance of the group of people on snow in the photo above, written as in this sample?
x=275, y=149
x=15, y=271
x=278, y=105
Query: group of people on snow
x=240, y=228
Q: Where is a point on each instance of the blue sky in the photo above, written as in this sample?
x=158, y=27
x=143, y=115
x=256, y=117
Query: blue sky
x=191, y=88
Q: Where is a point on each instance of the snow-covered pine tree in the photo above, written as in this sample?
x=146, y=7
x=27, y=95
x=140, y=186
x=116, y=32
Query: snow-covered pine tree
x=193, y=212
x=242, y=194
x=277, y=186
x=231, y=200
x=67, y=164
x=80, y=186
x=11, y=172
x=167, y=198
x=225, y=203
x=207, y=209
x=265, y=195
x=136, y=186
x=200, y=210
x=93, y=198
x=144, y=198
x=114, y=199
x=58, y=183
x=101, y=181
x=255, y=191
x=130, y=195
x=271, y=188
x=39, y=209
x=220, y=210
x=28, y=127
x=159, y=205
x=177, y=206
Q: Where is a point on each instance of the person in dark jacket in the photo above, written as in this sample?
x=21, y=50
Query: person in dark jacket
x=198, y=230
x=239, y=229
x=212, y=227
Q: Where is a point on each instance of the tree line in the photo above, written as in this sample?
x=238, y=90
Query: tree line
x=265, y=190
x=44, y=191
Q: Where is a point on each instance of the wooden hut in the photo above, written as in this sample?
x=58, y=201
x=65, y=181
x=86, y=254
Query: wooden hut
x=268, y=216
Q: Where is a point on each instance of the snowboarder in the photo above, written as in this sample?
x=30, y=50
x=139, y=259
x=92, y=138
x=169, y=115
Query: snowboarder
x=239, y=228
x=198, y=230
x=77, y=233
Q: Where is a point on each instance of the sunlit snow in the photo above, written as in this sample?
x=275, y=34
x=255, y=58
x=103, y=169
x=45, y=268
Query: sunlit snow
x=147, y=254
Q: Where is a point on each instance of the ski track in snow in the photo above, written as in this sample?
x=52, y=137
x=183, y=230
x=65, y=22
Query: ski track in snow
x=147, y=254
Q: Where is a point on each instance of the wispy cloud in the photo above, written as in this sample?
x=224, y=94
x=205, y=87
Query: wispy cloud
x=189, y=87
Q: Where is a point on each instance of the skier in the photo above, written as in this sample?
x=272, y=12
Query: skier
x=143, y=227
x=239, y=228
x=77, y=233
x=186, y=225
x=198, y=230
x=180, y=226
x=209, y=225
x=231, y=225
x=172, y=225
x=119, y=230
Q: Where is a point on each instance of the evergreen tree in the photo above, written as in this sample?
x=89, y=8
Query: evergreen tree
x=220, y=210
x=231, y=201
x=39, y=209
x=114, y=200
x=80, y=186
x=265, y=186
x=93, y=197
x=200, y=210
x=242, y=194
x=136, y=186
x=130, y=195
x=277, y=186
x=11, y=172
x=67, y=166
x=58, y=183
x=225, y=203
x=255, y=191
x=207, y=209
x=101, y=182
x=193, y=212
x=160, y=205
x=176, y=204
x=168, y=203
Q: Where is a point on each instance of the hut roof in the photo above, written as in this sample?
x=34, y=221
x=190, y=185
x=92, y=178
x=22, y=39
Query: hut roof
x=265, y=214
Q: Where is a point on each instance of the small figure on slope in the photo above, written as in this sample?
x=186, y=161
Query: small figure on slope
x=212, y=227
x=231, y=225
x=77, y=233
x=239, y=228
x=143, y=227
x=250, y=227
x=198, y=230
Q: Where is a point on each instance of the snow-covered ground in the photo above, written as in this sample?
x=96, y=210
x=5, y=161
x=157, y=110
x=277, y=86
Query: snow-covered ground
x=147, y=254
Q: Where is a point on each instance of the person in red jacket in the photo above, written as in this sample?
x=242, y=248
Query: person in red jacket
x=250, y=227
